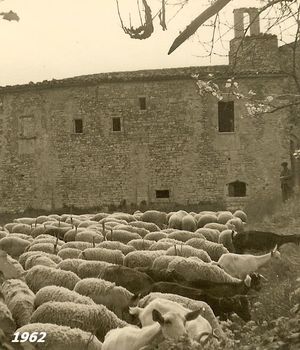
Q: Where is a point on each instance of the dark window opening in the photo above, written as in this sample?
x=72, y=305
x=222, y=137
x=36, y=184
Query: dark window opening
x=226, y=116
x=237, y=189
x=78, y=126
x=142, y=101
x=116, y=126
x=162, y=194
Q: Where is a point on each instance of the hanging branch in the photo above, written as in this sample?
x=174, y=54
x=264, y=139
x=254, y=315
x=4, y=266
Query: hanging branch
x=162, y=15
x=145, y=30
x=197, y=22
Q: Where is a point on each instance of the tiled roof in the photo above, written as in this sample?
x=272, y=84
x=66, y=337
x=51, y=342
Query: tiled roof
x=140, y=75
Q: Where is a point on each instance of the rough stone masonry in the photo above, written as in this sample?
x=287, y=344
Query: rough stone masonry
x=146, y=135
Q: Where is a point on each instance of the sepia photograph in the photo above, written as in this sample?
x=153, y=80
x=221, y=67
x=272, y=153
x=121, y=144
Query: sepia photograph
x=150, y=175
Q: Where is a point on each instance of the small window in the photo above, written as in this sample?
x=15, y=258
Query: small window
x=116, y=124
x=78, y=126
x=226, y=116
x=162, y=194
x=237, y=189
x=142, y=101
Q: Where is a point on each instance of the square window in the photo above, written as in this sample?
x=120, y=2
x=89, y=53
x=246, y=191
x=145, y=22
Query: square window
x=142, y=102
x=162, y=193
x=27, y=126
x=226, y=116
x=116, y=124
x=78, y=126
x=237, y=189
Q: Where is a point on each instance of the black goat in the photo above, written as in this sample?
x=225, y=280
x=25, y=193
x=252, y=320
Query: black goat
x=222, y=307
x=161, y=275
x=126, y=277
x=227, y=289
x=261, y=240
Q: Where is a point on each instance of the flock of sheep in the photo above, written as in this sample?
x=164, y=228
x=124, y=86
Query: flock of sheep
x=124, y=282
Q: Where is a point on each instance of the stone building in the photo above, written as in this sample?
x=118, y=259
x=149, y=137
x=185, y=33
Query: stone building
x=148, y=135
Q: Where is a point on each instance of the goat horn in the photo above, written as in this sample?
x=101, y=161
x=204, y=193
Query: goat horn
x=263, y=277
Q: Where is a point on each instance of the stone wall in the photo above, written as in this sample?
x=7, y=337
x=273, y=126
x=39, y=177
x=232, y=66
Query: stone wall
x=256, y=53
x=172, y=145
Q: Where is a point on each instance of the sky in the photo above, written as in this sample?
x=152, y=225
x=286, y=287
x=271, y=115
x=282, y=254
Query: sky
x=56, y=39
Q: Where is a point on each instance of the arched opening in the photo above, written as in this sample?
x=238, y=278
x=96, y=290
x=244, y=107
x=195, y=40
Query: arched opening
x=237, y=189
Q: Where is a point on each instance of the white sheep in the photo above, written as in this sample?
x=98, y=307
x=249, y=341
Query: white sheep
x=141, y=244
x=122, y=216
x=103, y=254
x=226, y=237
x=237, y=223
x=184, y=236
x=70, y=235
x=19, y=299
x=175, y=220
x=7, y=323
x=40, y=276
x=205, y=218
x=161, y=245
x=162, y=262
x=123, y=236
x=150, y=226
x=89, y=269
x=241, y=265
x=77, y=245
x=170, y=325
x=22, y=236
x=157, y=217
x=142, y=258
x=44, y=238
x=49, y=248
x=3, y=234
x=21, y=228
x=28, y=221
x=240, y=214
x=188, y=251
x=10, y=267
x=60, y=294
x=195, y=269
x=216, y=226
x=103, y=292
x=209, y=233
x=124, y=248
x=155, y=236
x=224, y=216
x=14, y=246
x=214, y=250
x=61, y=337
x=87, y=223
x=23, y=258
x=96, y=319
x=70, y=265
x=139, y=230
x=189, y=223
x=34, y=260
x=163, y=306
x=90, y=235
x=69, y=253
x=99, y=216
